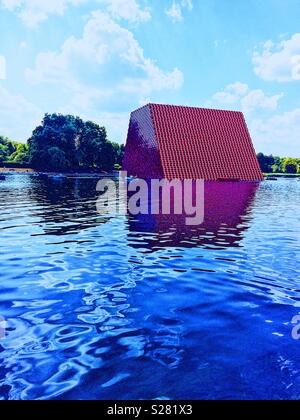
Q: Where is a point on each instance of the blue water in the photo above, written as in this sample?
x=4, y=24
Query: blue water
x=101, y=307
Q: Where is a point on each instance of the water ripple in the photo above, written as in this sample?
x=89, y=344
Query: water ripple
x=145, y=307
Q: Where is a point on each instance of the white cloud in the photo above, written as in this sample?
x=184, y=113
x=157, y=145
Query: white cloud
x=157, y=80
x=33, y=12
x=231, y=94
x=279, y=62
x=273, y=132
x=106, y=68
x=128, y=10
x=18, y=116
x=2, y=67
x=104, y=43
x=175, y=11
x=278, y=134
x=240, y=96
x=257, y=99
x=116, y=123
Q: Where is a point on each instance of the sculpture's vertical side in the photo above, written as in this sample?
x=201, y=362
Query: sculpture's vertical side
x=142, y=156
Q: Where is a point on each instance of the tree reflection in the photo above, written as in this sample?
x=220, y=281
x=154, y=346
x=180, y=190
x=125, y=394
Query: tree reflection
x=66, y=206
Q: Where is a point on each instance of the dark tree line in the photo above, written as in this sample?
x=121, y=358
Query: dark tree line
x=275, y=164
x=64, y=143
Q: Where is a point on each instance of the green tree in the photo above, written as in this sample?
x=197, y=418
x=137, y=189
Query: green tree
x=57, y=159
x=266, y=162
x=290, y=166
x=277, y=167
x=21, y=155
x=59, y=131
x=3, y=152
x=119, y=150
x=75, y=144
x=90, y=143
x=11, y=151
x=105, y=157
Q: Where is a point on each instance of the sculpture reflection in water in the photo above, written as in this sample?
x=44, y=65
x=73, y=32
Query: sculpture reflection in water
x=225, y=210
x=68, y=207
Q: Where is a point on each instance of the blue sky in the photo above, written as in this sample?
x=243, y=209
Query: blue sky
x=101, y=59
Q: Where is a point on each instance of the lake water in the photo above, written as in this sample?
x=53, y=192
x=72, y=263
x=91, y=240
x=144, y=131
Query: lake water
x=100, y=307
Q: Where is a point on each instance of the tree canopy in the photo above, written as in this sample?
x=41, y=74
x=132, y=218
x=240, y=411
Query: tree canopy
x=65, y=142
x=275, y=164
x=13, y=152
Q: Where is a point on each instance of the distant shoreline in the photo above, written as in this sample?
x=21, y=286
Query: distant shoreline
x=34, y=171
x=19, y=170
x=281, y=175
x=101, y=174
